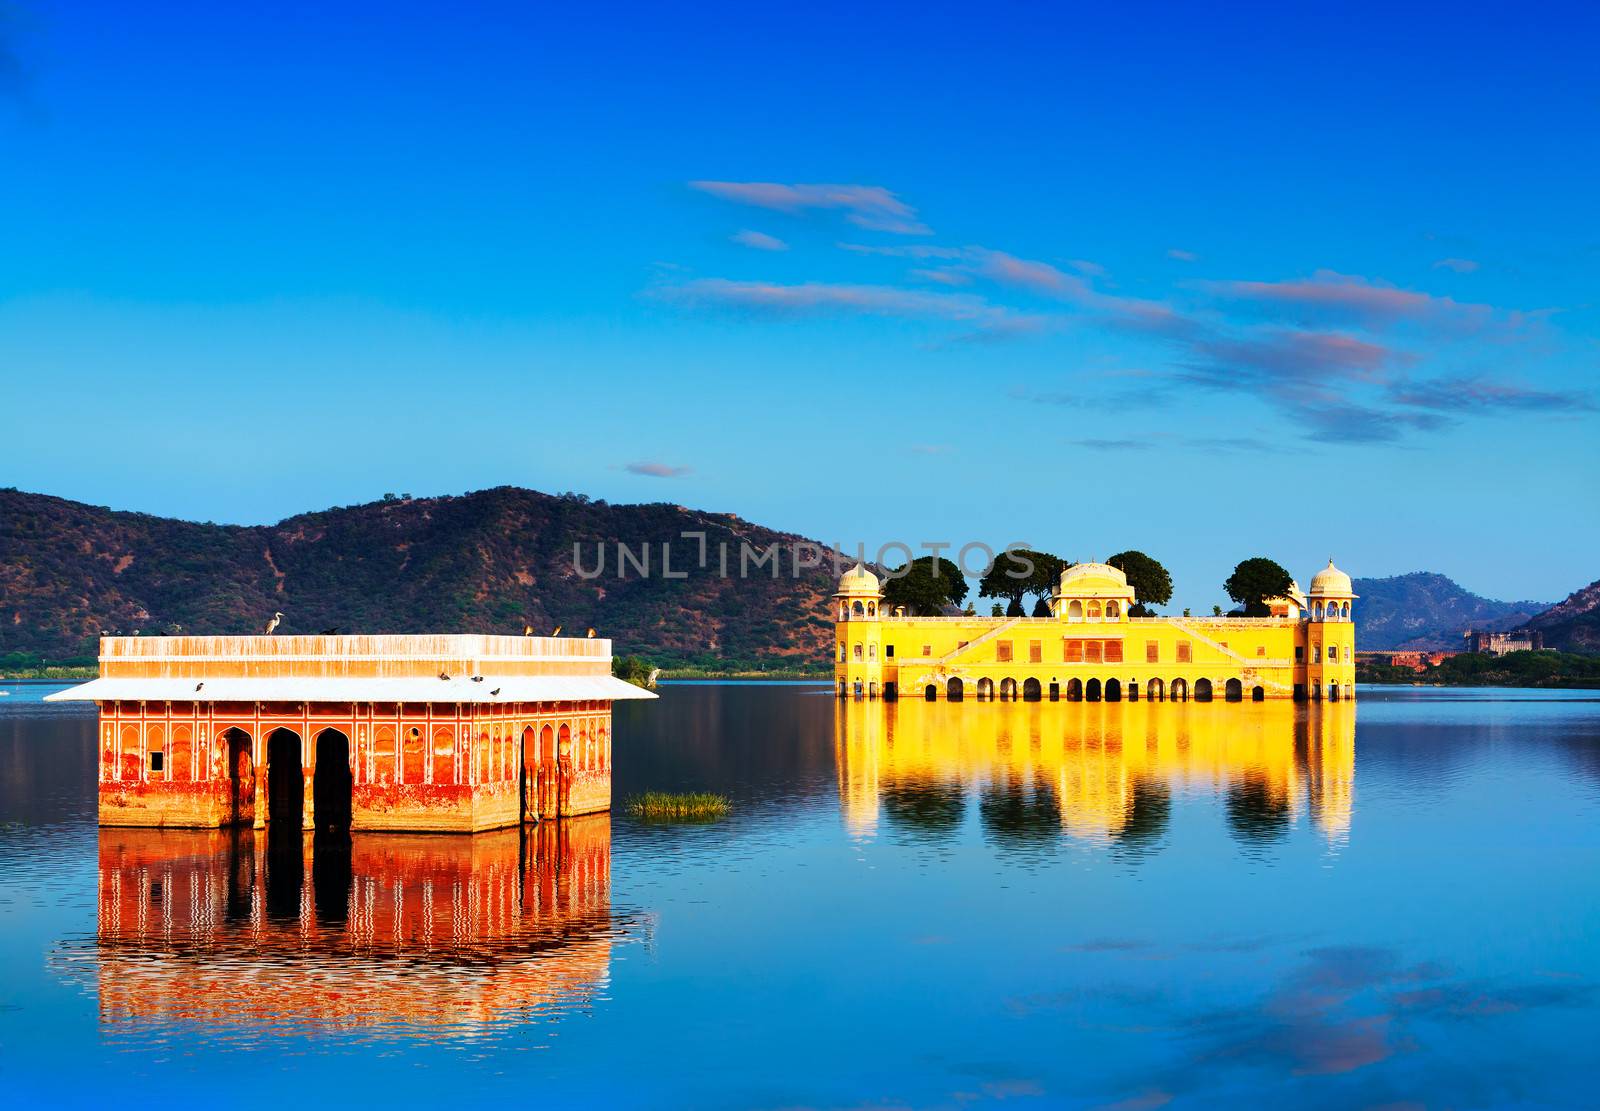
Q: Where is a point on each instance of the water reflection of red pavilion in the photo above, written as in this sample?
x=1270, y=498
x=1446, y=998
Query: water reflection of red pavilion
x=432, y=935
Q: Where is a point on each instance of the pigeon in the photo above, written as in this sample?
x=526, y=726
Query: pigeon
x=591, y=634
x=557, y=632
x=444, y=676
x=494, y=692
x=198, y=685
x=527, y=630
x=477, y=678
x=273, y=624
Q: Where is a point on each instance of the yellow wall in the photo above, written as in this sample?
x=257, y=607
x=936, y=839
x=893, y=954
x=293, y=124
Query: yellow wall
x=1256, y=651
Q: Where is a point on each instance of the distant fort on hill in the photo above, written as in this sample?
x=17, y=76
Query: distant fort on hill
x=1089, y=648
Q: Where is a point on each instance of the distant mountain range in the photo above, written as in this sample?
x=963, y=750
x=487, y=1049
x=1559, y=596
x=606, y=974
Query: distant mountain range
x=1424, y=610
x=492, y=560
x=483, y=562
x=1574, y=625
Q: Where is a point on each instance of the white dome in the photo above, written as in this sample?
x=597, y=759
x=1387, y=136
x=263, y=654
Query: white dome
x=858, y=580
x=1330, y=580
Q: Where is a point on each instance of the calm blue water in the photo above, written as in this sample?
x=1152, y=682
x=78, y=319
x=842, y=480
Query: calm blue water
x=1386, y=904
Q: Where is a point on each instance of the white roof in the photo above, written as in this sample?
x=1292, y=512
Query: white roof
x=524, y=688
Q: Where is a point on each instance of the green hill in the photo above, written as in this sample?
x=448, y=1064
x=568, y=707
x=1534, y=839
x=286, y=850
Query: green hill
x=482, y=562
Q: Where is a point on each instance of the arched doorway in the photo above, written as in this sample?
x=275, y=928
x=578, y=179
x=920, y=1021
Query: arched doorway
x=1030, y=690
x=331, y=783
x=1091, y=690
x=1333, y=692
x=930, y=693
x=527, y=776
x=286, y=780
x=1075, y=611
x=1202, y=690
x=985, y=690
x=953, y=689
x=235, y=745
x=890, y=692
x=1257, y=694
x=1153, y=690
x=1180, y=690
x=1008, y=690
x=545, y=772
x=1074, y=690
x=1113, y=690
x=1233, y=690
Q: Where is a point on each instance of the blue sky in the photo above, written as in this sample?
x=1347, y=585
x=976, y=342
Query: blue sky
x=1209, y=283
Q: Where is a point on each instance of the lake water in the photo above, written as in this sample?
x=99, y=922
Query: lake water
x=1389, y=903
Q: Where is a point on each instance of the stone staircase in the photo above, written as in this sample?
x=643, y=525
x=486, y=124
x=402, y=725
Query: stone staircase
x=950, y=656
x=1247, y=664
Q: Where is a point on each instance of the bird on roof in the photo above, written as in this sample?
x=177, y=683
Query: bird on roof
x=494, y=692
x=445, y=676
x=527, y=630
x=477, y=678
x=591, y=632
x=557, y=632
x=331, y=632
x=198, y=685
x=273, y=624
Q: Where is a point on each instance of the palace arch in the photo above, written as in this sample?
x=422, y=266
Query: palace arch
x=1202, y=690
x=1233, y=691
x=332, y=783
x=1030, y=690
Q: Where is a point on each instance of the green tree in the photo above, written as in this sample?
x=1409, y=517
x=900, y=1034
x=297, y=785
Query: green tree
x=1254, y=581
x=1152, y=585
x=1018, y=572
x=925, y=586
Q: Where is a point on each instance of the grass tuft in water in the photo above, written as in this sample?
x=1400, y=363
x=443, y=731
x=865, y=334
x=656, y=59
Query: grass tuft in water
x=662, y=806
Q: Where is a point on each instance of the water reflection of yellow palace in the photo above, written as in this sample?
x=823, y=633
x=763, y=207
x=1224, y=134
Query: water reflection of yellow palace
x=1090, y=649
x=1098, y=772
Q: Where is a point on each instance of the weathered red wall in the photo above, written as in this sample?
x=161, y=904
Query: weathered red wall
x=424, y=767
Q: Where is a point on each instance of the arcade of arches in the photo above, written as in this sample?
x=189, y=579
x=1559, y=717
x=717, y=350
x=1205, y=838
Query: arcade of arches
x=336, y=767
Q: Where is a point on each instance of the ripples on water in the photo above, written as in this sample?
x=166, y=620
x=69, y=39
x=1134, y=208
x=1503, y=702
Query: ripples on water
x=1125, y=905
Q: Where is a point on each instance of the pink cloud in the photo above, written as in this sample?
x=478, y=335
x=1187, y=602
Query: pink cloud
x=867, y=206
x=943, y=277
x=656, y=470
x=759, y=240
x=866, y=300
x=1327, y=293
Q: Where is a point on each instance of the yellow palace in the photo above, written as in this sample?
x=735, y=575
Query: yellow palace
x=1090, y=650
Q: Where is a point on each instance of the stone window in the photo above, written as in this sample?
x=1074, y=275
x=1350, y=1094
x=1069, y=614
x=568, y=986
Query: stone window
x=872, y=651
x=1002, y=651
x=1072, y=651
x=888, y=651
x=927, y=650
x=1092, y=652
x=1333, y=652
x=156, y=760
x=1185, y=652
x=1261, y=650
x=1036, y=651
x=1113, y=651
x=1299, y=653
x=1152, y=652
x=858, y=651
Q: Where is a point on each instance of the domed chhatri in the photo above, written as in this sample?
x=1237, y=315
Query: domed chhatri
x=1331, y=580
x=858, y=580
x=1092, y=649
